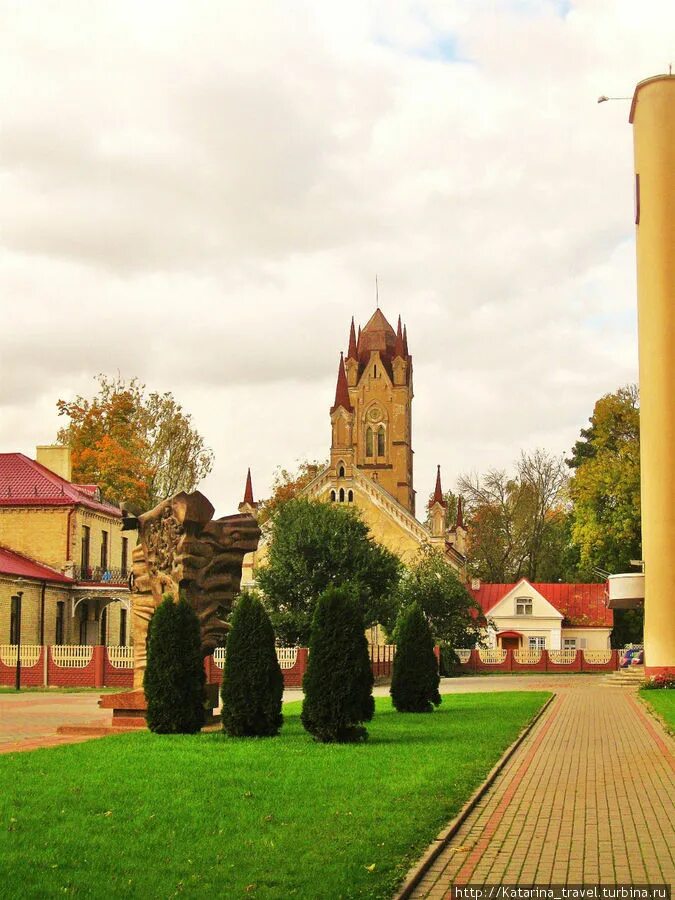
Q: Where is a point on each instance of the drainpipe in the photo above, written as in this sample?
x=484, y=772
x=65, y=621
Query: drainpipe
x=71, y=512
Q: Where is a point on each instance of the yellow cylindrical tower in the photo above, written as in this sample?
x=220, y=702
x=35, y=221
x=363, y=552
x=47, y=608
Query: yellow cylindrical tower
x=653, y=119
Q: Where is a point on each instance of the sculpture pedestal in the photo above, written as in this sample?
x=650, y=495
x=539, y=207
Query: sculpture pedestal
x=129, y=708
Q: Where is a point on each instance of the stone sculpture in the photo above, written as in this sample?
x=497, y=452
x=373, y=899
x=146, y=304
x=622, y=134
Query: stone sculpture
x=183, y=551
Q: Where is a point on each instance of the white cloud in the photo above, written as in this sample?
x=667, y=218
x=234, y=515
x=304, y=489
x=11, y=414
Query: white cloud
x=200, y=194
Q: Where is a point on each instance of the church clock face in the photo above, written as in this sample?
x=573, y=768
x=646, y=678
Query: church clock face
x=374, y=414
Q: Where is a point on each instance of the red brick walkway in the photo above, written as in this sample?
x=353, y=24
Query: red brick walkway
x=588, y=797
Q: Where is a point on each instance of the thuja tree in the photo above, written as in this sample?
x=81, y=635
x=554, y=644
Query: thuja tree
x=338, y=682
x=174, y=677
x=253, y=684
x=415, y=679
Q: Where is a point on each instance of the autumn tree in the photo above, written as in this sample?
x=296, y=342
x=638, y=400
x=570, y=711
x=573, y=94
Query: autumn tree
x=605, y=488
x=517, y=522
x=287, y=485
x=137, y=446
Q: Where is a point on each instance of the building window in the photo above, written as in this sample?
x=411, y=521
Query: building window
x=60, y=617
x=84, y=615
x=370, y=449
x=125, y=555
x=342, y=495
x=332, y=496
x=341, y=472
x=86, y=544
x=14, y=622
x=350, y=496
x=569, y=644
x=380, y=441
x=523, y=606
x=123, y=627
x=104, y=550
x=537, y=643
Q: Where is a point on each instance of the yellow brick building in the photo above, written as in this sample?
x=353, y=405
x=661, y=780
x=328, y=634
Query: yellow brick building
x=62, y=549
x=371, y=455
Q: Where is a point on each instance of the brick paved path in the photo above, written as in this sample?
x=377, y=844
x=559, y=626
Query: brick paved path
x=588, y=797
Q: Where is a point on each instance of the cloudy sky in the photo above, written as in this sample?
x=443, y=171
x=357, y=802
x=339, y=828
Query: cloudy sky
x=201, y=193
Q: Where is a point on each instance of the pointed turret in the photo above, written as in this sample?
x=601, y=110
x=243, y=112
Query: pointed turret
x=460, y=514
x=405, y=341
x=341, y=389
x=399, y=349
x=248, y=505
x=438, y=491
x=353, y=352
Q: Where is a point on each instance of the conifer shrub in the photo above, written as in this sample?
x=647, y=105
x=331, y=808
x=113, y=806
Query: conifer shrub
x=174, y=677
x=338, y=682
x=253, y=684
x=415, y=678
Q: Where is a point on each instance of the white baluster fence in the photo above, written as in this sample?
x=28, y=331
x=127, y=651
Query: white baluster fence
x=30, y=654
x=74, y=657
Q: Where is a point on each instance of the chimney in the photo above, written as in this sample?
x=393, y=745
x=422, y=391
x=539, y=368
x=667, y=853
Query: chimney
x=56, y=458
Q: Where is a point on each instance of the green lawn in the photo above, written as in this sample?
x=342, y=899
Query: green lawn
x=142, y=815
x=663, y=702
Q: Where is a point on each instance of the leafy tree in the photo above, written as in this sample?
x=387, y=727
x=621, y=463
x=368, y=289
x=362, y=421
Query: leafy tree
x=139, y=447
x=447, y=605
x=415, y=679
x=312, y=546
x=338, y=682
x=287, y=485
x=605, y=489
x=253, y=685
x=516, y=523
x=628, y=627
x=174, y=676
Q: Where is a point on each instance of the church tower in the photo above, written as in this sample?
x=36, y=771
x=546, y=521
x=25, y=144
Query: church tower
x=372, y=415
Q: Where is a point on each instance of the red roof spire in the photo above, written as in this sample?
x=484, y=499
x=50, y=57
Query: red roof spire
x=352, y=353
x=438, y=492
x=399, y=349
x=248, y=493
x=341, y=390
x=405, y=341
x=460, y=513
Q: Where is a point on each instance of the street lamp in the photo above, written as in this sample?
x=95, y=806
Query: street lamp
x=18, y=597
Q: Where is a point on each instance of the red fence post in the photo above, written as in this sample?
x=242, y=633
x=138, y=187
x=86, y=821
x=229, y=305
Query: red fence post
x=99, y=658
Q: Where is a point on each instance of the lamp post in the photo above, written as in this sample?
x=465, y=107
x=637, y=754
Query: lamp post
x=18, y=597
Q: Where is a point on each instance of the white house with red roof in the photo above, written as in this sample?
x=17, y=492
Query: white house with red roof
x=541, y=616
x=62, y=549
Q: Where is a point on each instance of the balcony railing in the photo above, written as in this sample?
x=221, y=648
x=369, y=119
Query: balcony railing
x=99, y=575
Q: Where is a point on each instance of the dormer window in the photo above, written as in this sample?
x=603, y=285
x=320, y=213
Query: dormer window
x=523, y=606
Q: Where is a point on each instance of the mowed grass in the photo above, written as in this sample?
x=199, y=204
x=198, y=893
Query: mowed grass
x=663, y=702
x=143, y=815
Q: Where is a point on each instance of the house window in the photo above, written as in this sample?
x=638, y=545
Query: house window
x=14, y=622
x=125, y=555
x=370, y=450
x=123, y=627
x=380, y=441
x=569, y=644
x=104, y=550
x=84, y=615
x=60, y=616
x=86, y=544
x=537, y=643
x=523, y=606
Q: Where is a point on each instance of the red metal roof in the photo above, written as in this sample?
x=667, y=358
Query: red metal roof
x=13, y=563
x=25, y=482
x=580, y=604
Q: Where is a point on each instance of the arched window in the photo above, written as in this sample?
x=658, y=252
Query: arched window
x=380, y=441
x=375, y=371
x=370, y=450
x=332, y=496
x=342, y=495
x=341, y=472
x=350, y=496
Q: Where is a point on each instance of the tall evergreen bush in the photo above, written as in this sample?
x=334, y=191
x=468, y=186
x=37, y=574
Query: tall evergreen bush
x=415, y=679
x=174, y=677
x=338, y=682
x=253, y=684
